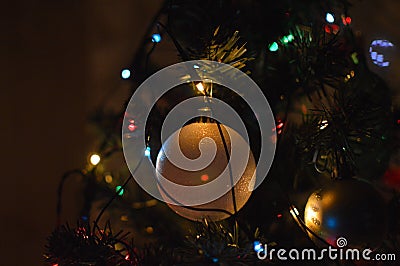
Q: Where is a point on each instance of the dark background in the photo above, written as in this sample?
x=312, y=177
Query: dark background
x=59, y=59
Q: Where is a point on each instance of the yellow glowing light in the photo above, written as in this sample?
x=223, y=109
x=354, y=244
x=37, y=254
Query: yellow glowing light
x=151, y=203
x=200, y=86
x=95, y=159
x=149, y=230
x=108, y=178
x=309, y=214
x=324, y=124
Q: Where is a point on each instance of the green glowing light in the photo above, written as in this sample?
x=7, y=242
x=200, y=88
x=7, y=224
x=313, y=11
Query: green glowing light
x=273, y=47
x=119, y=190
x=287, y=39
x=355, y=58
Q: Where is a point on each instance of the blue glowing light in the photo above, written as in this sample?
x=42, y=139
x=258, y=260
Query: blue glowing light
x=330, y=18
x=125, y=73
x=331, y=222
x=156, y=38
x=147, y=152
x=215, y=260
x=379, y=58
x=258, y=246
x=196, y=66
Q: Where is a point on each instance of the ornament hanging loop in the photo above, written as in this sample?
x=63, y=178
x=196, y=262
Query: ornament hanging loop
x=315, y=162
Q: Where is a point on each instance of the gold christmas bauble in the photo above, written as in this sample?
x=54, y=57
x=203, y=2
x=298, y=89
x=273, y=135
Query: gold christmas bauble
x=347, y=208
x=194, y=140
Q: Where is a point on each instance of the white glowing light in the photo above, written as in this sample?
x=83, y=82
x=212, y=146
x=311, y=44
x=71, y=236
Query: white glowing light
x=147, y=152
x=200, y=86
x=125, y=73
x=95, y=159
x=258, y=246
x=330, y=18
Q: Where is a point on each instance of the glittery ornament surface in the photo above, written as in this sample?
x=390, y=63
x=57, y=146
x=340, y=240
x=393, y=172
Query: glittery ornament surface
x=195, y=139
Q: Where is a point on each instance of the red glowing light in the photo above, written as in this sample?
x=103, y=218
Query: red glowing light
x=398, y=121
x=392, y=177
x=132, y=127
x=346, y=20
x=331, y=28
x=204, y=178
x=127, y=257
x=279, y=215
x=332, y=241
x=279, y=126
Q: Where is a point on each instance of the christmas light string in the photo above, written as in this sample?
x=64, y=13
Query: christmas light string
x=121, y=188
x=296, y=216
x=338, y=159
x=178, y=47
x=229, y=167
x=116, y=194
x=191, y=207
x=102, y=147
x=60, y=192
x=336, y=156
x=116, y=149
x=292, y=209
